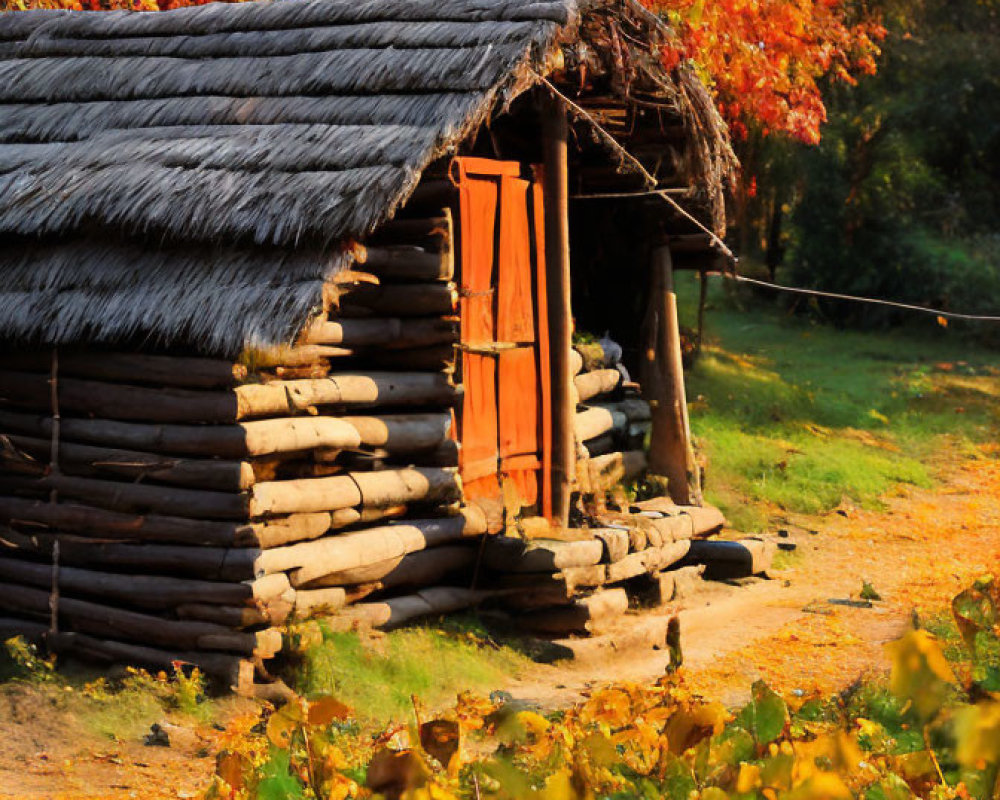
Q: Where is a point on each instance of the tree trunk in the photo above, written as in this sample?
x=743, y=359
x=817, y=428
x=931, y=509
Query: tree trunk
x=280, y=398
x=400, y=610
x=231, y=670
x=312, y=601
x=514, y=555
x=81, y=519
x=592, y=422
x=611, y=469
x=209, y=563
x=581, y=616
x=102, y=620
x=335, y=554
x=346, y=389
x=402, y=299
x=598, y=382
x=418, y=568
x=372, y=489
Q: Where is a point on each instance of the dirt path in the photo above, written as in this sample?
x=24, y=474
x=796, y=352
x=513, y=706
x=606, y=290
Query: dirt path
x=920, y=550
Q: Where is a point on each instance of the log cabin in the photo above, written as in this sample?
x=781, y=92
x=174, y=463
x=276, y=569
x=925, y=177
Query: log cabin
x=291, y=309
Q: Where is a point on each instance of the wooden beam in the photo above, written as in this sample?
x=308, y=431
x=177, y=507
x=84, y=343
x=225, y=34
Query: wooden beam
x=278, y=398
x=408, y=263
x=391, y=332
x=556, y=192
x=670, y=451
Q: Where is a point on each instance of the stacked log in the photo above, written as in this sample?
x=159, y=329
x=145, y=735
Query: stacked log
x=577, y=581
x=612, y=421
x=160, y=508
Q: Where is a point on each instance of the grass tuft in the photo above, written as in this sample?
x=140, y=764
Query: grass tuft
x=376, y=675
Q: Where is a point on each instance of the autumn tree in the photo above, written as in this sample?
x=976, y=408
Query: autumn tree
x=765, y=59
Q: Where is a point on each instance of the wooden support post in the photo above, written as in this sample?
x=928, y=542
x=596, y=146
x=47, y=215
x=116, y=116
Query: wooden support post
x=556, y=191
x=670, y=451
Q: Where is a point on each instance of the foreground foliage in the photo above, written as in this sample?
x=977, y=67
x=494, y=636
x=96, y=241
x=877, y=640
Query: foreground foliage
x=930, y=735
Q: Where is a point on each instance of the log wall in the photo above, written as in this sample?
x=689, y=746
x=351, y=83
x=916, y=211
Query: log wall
x=158, y=508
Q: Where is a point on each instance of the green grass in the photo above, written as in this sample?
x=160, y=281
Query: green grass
x=376, y=676
x=798, y=417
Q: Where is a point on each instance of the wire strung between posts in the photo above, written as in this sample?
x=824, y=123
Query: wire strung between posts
x=663, y=194
x=615, y=195
x=857, y=299
x=713, y=237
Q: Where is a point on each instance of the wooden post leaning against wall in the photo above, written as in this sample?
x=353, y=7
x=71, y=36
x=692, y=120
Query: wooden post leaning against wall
x=670, y=450
x=555, y=129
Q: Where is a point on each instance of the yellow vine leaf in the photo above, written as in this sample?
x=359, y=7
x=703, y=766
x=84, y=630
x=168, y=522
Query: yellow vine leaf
x=977, y=731
x=821, y=786
x=430, y=791
x=533, y=723
x=688, y=725
x=920, y=671
x=558, y=786
x=748, y=779
x=339, y=787
x=284, y=722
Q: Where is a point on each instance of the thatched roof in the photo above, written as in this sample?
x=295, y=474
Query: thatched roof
x=186, y=177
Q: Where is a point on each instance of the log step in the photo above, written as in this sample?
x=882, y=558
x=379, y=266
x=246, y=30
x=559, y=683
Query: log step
x=507, y=554
x=583, y=616
x=727, y=560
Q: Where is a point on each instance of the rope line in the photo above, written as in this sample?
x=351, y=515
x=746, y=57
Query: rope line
x=615, y=195
x=858, y=299
x=664, y=194
x=582, y=112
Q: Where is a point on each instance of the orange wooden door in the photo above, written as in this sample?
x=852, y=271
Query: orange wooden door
x=505, y=367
